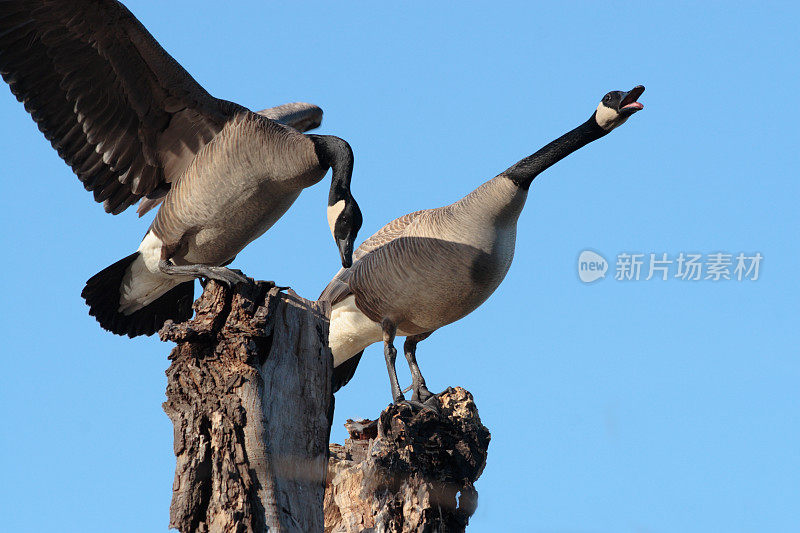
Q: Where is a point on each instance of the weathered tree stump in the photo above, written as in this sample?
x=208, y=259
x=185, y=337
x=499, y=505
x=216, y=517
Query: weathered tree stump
x=409, y=470
x=249, y=395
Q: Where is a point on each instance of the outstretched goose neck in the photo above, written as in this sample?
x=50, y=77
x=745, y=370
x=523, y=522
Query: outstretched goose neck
x=523, y=172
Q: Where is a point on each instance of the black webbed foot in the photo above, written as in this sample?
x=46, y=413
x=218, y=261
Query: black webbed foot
x=431, y=404
x=229, y=276
x=422, y=394
x=222, y=274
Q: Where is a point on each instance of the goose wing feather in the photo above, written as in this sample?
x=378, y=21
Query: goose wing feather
x=120, y=111
x=298, y=115
x=339, y=287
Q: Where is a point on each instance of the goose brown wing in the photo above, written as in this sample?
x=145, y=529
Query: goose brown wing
x=298, y=115
x=391, y=231
x=339, y=287
x=118, y=109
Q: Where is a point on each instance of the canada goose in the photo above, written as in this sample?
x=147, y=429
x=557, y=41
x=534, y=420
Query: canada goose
x=429, y=268
x=134, y=125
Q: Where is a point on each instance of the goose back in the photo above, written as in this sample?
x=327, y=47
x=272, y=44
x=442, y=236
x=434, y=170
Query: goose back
x=235, y=189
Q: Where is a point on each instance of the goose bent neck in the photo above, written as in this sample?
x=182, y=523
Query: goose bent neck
x=335, y=153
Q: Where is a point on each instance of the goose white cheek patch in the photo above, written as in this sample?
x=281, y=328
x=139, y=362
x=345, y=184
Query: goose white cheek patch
x=333, y=213
x=605, y=117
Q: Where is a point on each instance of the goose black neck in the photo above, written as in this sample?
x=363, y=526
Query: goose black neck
x=336, y=154
x=523, y=172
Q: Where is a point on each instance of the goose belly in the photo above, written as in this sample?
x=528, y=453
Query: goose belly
x=210, y=221
x=236, y=225
x=350, y=331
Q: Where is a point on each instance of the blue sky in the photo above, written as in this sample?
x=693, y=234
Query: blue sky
x=636, y=406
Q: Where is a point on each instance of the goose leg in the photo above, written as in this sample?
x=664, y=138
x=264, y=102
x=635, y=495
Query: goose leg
x=223, y=274
x=390, y=352
x=421, y=393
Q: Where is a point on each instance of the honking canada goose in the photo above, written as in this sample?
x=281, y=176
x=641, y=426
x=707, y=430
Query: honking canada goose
x=135, y=126
x=429, y=268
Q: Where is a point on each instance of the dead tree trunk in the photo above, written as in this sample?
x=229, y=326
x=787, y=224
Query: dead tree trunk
x=409, y=470
x=249, y=395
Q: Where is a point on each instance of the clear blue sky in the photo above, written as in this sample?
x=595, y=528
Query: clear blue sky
x=660, y=406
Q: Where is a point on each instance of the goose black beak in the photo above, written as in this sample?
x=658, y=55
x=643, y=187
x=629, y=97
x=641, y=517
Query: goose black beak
x=345, y=252
x=628, y=105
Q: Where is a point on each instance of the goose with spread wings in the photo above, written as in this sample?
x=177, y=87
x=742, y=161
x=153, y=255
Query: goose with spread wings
x=134, y=126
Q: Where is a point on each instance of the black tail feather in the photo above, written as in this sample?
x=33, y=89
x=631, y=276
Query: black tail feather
x=343, y=373
x=102, y=296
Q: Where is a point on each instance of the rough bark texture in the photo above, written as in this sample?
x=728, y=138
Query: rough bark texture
x=409, y=470
x=249, y=395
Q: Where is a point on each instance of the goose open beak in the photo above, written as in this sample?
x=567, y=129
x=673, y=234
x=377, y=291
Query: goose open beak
x=628, y=105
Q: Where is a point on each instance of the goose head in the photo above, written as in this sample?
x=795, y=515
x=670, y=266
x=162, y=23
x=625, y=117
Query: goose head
x=344, y=219
x=617, y=106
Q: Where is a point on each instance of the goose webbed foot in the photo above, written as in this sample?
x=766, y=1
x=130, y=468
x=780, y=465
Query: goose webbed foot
x=421, y=398
x=431, y=404
x=224, y=275
x=421, y=393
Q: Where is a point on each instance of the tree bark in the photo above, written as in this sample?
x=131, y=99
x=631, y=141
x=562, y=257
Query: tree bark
x=409, y=470
x=249, y=395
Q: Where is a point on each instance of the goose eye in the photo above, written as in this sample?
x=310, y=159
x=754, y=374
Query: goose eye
x=607, y=98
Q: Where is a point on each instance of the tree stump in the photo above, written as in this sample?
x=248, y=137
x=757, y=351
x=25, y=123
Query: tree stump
x=408, y=471
x=249, y=395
